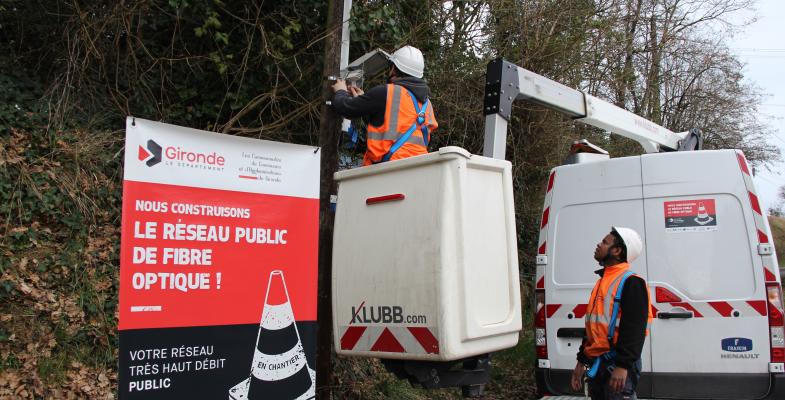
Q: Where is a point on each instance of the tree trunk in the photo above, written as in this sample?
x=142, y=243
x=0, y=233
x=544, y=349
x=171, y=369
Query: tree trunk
x=652, y=97
x=626, y=84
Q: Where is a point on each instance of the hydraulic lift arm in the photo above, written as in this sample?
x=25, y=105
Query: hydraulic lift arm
x=506, y=82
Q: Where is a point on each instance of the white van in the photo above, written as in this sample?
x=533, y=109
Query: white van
x=708, y=259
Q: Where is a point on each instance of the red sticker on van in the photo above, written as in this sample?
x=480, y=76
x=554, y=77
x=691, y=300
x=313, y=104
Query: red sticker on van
x=698, y=215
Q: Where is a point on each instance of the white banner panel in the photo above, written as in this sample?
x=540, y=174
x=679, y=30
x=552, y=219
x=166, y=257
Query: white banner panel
x=175, y=155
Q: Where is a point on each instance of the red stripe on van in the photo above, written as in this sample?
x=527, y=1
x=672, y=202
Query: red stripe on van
x=762, y=237
x=754, y=202
x=545, y=217
x=580, y=310
x=551, y=309
x=550, y=181
x=722, y=307
x=654, y=310
x=742, y=163
x=541, y=250
x=769, y=275
x=688, y=306
x=541, y=283
x=759, y=305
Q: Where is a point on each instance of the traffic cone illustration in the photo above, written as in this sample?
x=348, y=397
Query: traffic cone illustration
x=279, y=369
x=703, y=217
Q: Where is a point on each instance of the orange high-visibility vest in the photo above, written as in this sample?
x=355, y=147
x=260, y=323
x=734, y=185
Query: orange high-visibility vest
x=399, y=115
x=600, y=308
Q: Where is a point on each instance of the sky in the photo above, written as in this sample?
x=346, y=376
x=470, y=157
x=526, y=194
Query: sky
x=762, y=48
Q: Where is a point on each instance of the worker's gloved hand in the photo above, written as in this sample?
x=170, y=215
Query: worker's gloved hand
x=339, y=84
x=577, y=377
x=355, y=91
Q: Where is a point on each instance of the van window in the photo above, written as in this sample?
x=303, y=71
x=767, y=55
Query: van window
x=579, y=228
x=703, y=264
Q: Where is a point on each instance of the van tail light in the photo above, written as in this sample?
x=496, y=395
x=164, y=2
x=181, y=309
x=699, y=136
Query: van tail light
x=539, y=324
x=776, y=322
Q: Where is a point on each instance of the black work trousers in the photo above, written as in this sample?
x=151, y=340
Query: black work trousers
x=599, y=389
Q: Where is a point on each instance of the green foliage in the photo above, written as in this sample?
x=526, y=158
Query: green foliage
x=58, y=249
x=9, y=362
x=19, y=105
x=376, y=24
x=54, y=368
x=193, y=62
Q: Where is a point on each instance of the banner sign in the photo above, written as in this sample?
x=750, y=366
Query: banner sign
x=218, y=266
x=697, y=215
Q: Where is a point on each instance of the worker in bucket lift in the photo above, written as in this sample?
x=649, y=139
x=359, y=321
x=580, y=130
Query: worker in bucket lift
x=617, y=319
x=399, y=114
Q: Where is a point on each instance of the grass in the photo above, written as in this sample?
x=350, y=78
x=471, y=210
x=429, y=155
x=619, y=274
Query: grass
x=512, y=376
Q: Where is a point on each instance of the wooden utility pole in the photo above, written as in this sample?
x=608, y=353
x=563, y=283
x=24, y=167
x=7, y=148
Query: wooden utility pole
x=329, y=131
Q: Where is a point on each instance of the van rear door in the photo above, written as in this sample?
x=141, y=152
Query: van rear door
x=710, y=336
x=588, y=199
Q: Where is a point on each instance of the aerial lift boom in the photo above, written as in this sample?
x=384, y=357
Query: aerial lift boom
x=506, y=82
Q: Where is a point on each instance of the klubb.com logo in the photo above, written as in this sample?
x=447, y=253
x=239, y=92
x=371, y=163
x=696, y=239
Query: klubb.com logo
x=154, y=153
x=365, y=314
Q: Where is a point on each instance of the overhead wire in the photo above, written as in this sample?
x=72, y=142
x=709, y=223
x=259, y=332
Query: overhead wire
x=778, y=137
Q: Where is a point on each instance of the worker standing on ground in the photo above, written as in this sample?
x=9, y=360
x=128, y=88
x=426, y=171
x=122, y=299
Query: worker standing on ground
x=399, y=114
x=617, y=319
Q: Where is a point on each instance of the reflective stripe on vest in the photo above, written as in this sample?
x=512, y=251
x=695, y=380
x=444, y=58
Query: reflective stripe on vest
x=600, y=311
x=400, y=115
x=419, y=123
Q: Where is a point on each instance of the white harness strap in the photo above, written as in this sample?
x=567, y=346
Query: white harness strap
x=586, y=387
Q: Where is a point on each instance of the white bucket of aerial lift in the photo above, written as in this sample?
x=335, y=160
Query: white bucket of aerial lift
x=425, y=263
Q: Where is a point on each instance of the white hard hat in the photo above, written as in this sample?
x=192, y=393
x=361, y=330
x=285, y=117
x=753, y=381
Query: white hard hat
x=409, y=60
x=632, y=240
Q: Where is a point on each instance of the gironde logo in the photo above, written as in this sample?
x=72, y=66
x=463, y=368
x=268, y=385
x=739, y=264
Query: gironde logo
x=152, y=154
